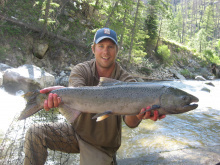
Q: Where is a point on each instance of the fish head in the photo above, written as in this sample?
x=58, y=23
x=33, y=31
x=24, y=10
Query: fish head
x=175, y=101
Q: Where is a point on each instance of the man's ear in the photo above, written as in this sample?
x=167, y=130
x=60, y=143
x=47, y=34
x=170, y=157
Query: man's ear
x=93, y=49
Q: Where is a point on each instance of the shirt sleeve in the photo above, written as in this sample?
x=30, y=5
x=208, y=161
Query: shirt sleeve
x=77, y=76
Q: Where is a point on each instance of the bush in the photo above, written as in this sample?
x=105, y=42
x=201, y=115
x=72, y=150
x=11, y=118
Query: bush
x=163, y=53
x=186, y=73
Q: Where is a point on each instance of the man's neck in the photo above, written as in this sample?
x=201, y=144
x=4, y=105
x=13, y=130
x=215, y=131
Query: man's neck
x=105, y=72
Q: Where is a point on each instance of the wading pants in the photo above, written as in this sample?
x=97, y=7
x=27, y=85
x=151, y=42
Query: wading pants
x=61, y=137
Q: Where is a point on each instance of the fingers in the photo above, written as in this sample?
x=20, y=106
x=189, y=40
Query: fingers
x=148, y=114
x=140, y=115
x=155, y=116
x=46, y=105
x=145, y=115
x=162, y=116
x=52, y=101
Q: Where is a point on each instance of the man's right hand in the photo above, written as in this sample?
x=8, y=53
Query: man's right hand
x=53, y=99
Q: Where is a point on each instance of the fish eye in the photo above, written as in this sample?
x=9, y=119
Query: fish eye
x=184, y=98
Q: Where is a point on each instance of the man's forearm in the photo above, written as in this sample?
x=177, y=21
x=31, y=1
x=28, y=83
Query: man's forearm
x=131, y=121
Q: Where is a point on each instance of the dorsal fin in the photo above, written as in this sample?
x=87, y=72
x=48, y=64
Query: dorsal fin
x=104, y=81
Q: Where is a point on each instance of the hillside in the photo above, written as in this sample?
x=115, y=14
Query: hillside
x=67, y=41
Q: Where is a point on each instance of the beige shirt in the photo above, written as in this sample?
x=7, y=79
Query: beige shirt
x=106, y=134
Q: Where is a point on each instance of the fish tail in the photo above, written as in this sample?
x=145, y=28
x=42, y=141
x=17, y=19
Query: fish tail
x=34, y=103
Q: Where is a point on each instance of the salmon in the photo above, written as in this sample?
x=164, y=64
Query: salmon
x=113, y=97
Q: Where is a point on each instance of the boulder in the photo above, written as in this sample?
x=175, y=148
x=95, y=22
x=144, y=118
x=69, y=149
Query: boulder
x=4, y=67
x=205, y=89
x=178, y=75
x=62, y=80
x=205, y=72
x=1, y=78
x=40, y=49
x=200, y=78
x=26, y=78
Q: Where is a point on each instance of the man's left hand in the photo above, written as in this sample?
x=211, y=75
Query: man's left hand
x=147, y=115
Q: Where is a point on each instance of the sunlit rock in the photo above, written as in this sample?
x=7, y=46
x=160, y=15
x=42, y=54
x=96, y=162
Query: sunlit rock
x=200, y=78
x=4, y=67
x=1, y=79
x=40, y=49
x=26, y=78
x=178, y=75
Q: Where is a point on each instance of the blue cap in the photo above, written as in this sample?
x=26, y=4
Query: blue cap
x=105, y=33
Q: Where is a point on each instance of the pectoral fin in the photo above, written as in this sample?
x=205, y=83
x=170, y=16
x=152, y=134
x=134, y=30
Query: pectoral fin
x=102, y=116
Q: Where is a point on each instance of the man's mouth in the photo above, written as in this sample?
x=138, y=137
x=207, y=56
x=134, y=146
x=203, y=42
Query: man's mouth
x=105, y=58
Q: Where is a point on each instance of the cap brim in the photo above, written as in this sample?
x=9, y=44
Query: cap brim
x=104, y=37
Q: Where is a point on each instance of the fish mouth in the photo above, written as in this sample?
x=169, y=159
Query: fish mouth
x=190, y=107
x=192, y=104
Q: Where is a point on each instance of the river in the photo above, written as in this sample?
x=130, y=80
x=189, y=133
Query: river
x=189, y=138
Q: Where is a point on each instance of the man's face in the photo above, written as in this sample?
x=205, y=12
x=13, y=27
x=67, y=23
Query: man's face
x=105, y=53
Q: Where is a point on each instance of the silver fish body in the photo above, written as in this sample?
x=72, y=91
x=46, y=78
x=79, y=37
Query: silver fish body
x=115, y=98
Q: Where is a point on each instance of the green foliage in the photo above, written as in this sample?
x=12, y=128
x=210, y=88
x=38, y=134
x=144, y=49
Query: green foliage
x=186, y=73
x=154, y=8
x=177, y=49
x=183, y=22
x=210, y=56
x=163, y=53
x=3, y=54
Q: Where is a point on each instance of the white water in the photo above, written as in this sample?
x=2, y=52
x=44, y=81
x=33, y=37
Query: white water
x=199, y=128
x=10, y=106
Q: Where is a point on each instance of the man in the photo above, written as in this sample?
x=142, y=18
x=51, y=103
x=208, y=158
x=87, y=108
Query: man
x=215, y=70
x=97, y=142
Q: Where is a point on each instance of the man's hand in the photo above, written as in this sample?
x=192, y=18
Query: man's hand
x=147, y=115
x=53, y=100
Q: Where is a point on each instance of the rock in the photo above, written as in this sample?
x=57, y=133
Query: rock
x=178, y=75
x=205, y=72
x=205, y=89
x=40, y=49
x=210, y=83
x=210, y=77
x=62, y=80
x=4, y=67
x=139, y=79
x=62, y=74
x=26, y=78
x=1, y=78
x=200, y=78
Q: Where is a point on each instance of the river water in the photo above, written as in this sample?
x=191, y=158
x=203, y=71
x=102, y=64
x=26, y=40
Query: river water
x=197, y=129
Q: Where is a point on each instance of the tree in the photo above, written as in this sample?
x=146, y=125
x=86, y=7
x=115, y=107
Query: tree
x=133, y=31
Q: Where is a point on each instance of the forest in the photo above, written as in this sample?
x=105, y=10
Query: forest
x=143, y=26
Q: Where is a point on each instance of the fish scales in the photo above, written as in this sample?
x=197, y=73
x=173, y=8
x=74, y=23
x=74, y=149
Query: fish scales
x=83, y=98
x=118, y=99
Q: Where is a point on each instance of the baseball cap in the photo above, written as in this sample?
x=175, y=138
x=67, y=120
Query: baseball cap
x=105, y=33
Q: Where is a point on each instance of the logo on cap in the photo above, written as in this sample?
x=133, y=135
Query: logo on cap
x=107, y=31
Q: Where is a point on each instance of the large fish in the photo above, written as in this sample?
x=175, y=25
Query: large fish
x=113, y=97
